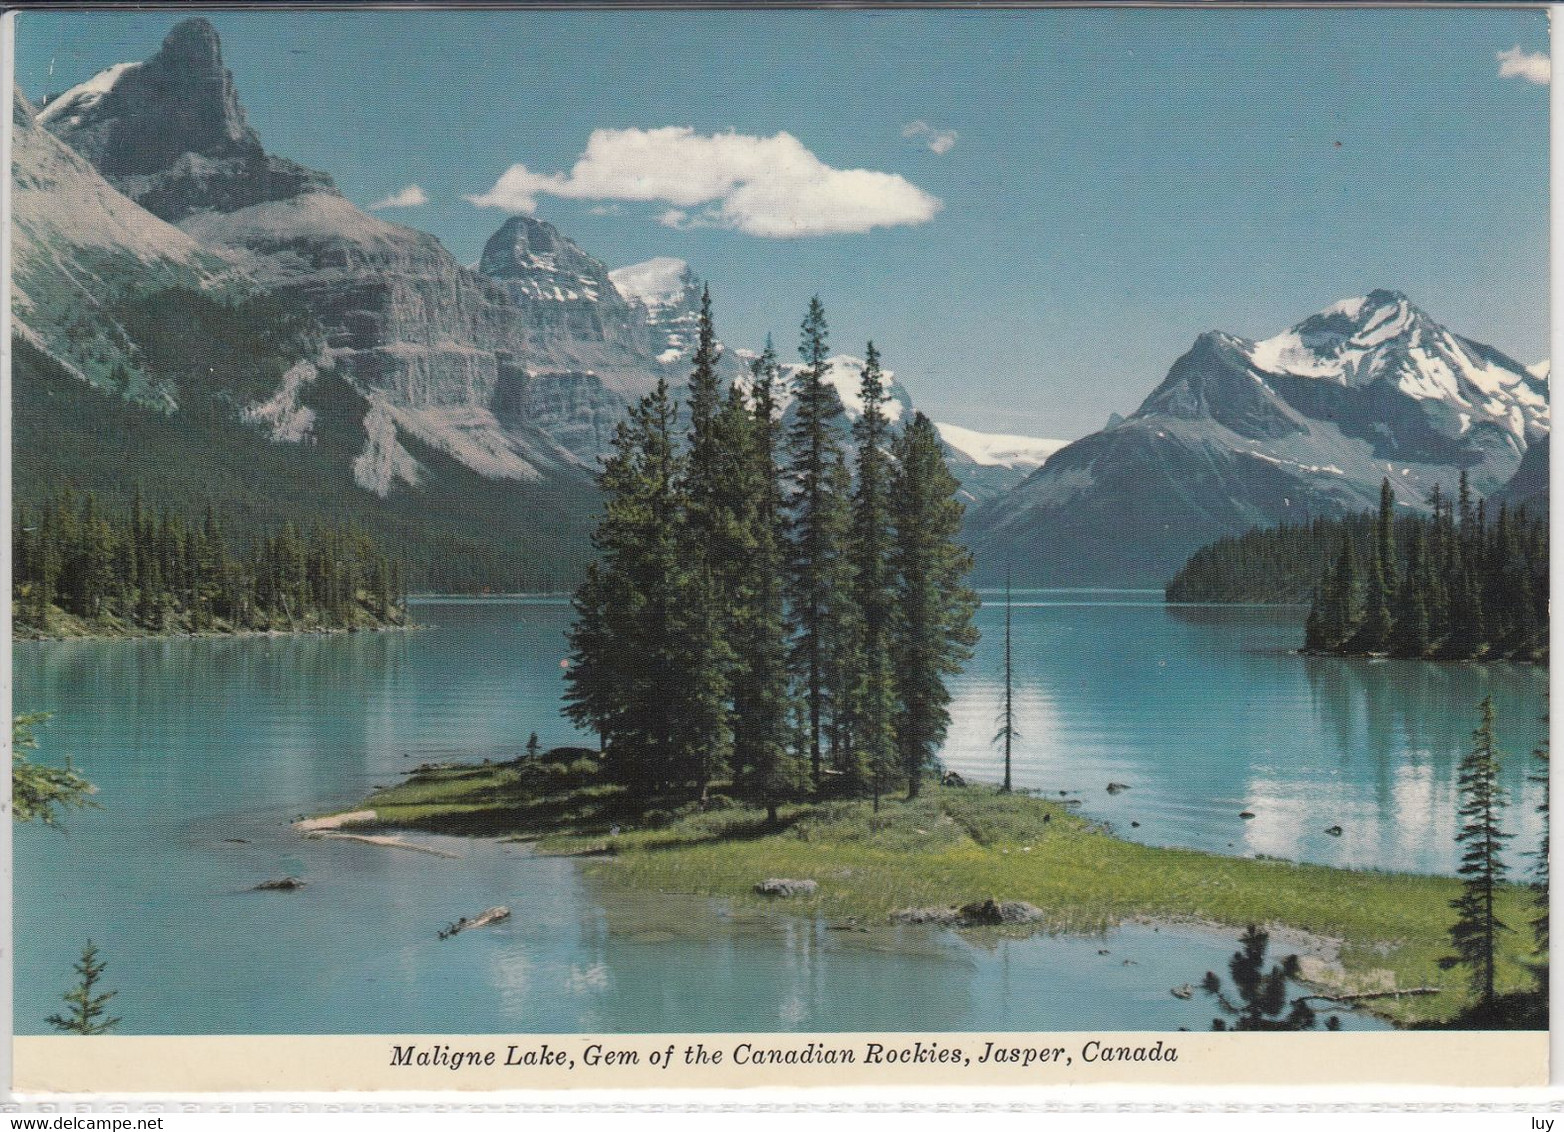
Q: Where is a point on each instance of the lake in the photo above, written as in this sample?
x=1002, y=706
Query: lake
x=204, y=750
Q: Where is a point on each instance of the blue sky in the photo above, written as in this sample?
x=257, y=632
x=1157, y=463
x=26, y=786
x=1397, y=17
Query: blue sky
x=1090, y=189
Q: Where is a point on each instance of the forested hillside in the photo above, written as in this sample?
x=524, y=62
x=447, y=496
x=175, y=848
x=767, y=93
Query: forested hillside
x=456, y=531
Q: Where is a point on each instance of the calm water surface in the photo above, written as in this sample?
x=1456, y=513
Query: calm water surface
x=204, y=750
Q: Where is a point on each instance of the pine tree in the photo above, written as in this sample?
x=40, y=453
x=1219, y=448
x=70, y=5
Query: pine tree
x=534, y=747
x=594, y=689
x=1385, y=535
x=647, y=661
x=935, y=633
x=40, y=792
x=88, y=1009
x=1374, y=633
x=1007, y=718
x=872, y=691
x=1262, y=994
x=717, y=502
x=1410, y=636
x=769, y=772
x=622, y=635
x=815, y=566
x=1475, y=933
x=1340, y=612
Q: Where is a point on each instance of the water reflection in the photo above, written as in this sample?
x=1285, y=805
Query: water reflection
x=1207, y=712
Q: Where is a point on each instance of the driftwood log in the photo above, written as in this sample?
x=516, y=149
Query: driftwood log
x=1366, y=995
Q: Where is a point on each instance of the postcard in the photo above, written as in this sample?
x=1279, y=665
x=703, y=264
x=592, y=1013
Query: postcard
x=620, y=548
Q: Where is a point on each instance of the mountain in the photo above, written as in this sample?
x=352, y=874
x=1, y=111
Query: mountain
x=78, y=245
x=1243, y=433
x=171, y=261
x=988, y=464
x=482, y=365
x=171, y=134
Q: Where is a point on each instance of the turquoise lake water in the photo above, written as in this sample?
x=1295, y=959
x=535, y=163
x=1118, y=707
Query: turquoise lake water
x=204, y=750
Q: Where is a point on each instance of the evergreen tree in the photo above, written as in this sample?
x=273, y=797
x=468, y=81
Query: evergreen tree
x=716, y=530
x=534, y=747
x=647, y=664
x=1410, y=637
x=1475, y=934
x=88, y=1009
x=594, y=680
x=768, y=770
x=40, y=792
x=1385, y=535
x=1340, y=613
x=872, y=691
x=816, y=566
x=1375, y=630
x=1007, y=724
x=935, y=633
x=1262, y=994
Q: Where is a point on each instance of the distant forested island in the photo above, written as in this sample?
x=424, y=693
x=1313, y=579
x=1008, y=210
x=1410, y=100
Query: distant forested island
x=1459, y=583
x=80, y=570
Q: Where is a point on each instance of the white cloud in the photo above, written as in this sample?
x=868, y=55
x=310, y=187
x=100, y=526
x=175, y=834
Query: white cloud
x=1534, y=67
x=938, y=141
x=762, y=186
x=410, y=197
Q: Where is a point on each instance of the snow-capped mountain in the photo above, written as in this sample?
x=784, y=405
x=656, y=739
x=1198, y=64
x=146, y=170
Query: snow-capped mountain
x=989, y=464
x=1243, y=433
x=514, y=370
x=993, y=449
x=670, y=293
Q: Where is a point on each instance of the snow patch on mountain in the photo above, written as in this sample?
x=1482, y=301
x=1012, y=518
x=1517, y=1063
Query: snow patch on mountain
x=844, y=374
x=1542, y=369
x=992, y=449
x=655, y=283
x=84, y=96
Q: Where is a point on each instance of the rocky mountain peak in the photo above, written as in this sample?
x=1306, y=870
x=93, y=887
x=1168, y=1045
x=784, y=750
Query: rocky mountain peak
x=135, y=119
x=534, y=257
x=170, y=132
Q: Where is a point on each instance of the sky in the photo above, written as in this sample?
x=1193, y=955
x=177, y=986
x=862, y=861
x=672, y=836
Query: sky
x=1031, y=213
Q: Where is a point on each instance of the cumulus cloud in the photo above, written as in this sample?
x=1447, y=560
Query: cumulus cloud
x=938, y=141
x=410, y=197
x=1533, y=66
x=762, y=186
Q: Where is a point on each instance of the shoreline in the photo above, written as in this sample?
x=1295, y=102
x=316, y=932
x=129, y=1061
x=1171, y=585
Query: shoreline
x=1357, y=931
x=215, y=634
x=1321, y=970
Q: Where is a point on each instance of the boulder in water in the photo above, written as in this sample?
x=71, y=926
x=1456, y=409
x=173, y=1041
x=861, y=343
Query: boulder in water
x=282, y=884
x=781, y=886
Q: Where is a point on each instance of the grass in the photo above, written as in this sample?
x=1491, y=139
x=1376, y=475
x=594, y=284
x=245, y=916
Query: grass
x=955, y=845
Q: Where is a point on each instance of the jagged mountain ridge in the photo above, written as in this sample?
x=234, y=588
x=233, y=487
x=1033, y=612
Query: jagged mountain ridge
x=171, y=134
x=436, y=347
x=518, y=368
x=1251, y=433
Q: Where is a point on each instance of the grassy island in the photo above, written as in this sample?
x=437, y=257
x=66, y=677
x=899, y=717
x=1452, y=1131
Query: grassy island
x=953, y=845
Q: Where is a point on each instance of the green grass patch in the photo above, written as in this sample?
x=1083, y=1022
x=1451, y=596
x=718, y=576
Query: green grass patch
x=956, y=845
